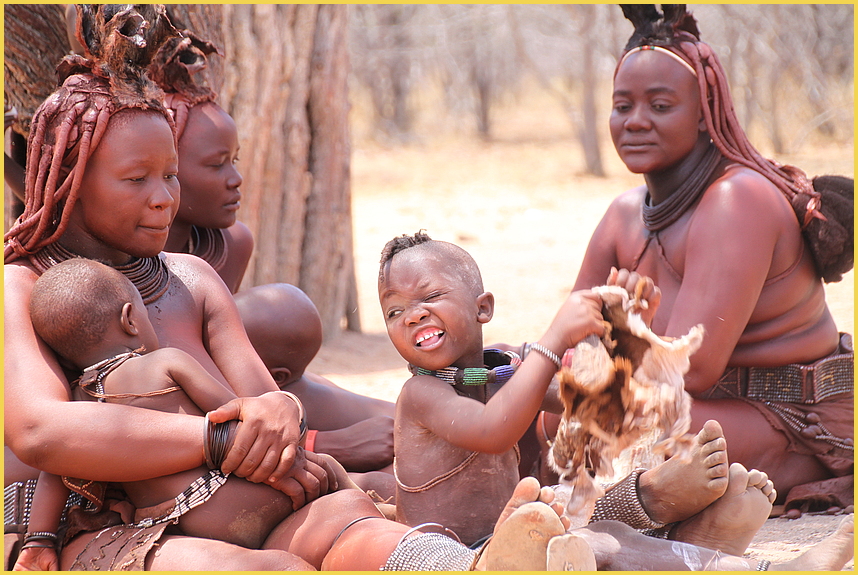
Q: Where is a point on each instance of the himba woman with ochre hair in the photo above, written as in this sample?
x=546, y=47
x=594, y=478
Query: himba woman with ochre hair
x=281, y=321
x=742, y=245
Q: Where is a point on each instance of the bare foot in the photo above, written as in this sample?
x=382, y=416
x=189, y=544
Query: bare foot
x=679, y=488
x=730, y=523
x=570, y=552
x=523, y=530
x=830, y=554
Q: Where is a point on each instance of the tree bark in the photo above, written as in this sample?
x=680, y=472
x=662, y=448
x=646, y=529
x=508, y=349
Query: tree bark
x=283, y=77
x=285, y=83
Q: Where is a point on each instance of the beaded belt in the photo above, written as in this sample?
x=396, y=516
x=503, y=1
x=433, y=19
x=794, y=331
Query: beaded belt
x=794, y=383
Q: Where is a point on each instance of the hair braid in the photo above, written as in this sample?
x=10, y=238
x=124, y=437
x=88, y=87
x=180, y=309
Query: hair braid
x=823, y=207
x=174, y=67
x=70, y=123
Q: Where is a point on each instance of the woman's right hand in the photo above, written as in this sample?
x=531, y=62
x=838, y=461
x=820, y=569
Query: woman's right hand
x=266, y=443
x=637, y=285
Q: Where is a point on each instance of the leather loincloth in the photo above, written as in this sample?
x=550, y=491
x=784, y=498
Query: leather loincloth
x=119, y=548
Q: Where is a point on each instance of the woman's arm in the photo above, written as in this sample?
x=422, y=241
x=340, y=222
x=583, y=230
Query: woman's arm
x=266, y=443
x=601, y=254
x=729, y=252
x=48, y=431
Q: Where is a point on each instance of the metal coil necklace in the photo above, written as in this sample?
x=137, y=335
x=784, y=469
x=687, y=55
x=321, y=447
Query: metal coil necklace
x=660, y=216
x=500, y=367
x=210, y=245
x=150, y=276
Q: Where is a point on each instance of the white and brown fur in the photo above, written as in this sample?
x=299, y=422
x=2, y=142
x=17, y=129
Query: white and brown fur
x=618, y=392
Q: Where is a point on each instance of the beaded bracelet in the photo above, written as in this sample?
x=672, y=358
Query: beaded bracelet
x=546, y=352
x=217, y=441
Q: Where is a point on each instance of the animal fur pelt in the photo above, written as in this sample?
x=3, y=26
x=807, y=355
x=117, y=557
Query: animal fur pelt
x=616, y=390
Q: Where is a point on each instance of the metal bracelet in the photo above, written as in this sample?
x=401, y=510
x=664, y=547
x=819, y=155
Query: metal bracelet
x=547, y=353
x=302, y=414
x=40, y=535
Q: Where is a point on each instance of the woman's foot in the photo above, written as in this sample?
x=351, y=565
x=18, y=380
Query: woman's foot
x=570, y=552
x=679, y=487
x=830, y=554
x=523, y=530
x=730, y=523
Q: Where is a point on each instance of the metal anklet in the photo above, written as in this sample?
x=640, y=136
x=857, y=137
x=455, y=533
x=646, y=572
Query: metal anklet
x=622, y=503
x=763, y=565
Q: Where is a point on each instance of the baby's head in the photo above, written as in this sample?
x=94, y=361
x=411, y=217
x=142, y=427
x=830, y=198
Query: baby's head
x=284, y=327
x=432, y=298
x=87, y=311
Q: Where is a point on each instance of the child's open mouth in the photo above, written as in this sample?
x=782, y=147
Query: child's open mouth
x=429, y=338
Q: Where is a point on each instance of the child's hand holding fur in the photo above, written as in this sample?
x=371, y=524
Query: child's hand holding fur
x=579, y=316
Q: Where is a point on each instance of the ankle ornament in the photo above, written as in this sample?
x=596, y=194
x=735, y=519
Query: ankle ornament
x=622, y=503
x=763, y=565
x=429, y=552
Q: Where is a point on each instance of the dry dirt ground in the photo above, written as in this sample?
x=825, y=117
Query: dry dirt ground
x=519, y=207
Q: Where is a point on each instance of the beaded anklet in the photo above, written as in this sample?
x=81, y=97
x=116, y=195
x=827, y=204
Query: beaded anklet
x=501, y=366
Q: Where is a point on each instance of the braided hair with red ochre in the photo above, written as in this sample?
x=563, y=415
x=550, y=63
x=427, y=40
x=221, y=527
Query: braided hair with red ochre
x=120, y=41
x=173, y=68
x=823, y=207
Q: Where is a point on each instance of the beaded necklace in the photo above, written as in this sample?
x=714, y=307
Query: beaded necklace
x=208, y=244
x=501, y=366
x=660, y=216
x=150, y=276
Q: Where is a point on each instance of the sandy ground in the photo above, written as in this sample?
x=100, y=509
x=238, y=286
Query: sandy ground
x=519, y=207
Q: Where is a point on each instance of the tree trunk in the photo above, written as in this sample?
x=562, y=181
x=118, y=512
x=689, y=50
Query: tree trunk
x=283, y=77
x=285, y=83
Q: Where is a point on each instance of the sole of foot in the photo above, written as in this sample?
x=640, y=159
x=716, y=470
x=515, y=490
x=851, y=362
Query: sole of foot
x=730, y=523
x=570, y=553
x=520, y=543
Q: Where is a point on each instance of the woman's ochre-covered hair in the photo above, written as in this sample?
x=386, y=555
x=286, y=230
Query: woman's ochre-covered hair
x=173, y=69
x=823, y=206
x=119, y=41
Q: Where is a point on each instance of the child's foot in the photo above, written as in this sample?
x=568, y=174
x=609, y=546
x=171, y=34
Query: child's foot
x=523, y=530
x=830, y=554
x=730, y=523
x=570, y=552
x=679, y=487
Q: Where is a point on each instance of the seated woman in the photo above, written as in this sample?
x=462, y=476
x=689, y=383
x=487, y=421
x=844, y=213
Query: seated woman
x=206, y=225
x=734, y=243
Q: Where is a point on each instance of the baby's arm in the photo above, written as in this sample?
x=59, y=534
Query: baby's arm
x=500, y=423
x=39, y=552
x=203, y=389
